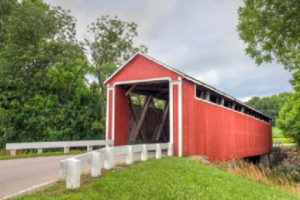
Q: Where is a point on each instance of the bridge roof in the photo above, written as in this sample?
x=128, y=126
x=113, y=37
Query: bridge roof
x=186, y=77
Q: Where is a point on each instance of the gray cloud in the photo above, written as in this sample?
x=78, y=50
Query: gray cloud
x=196, y=37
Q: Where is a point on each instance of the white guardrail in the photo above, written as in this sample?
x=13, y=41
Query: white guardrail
x=277, y=144
x=12, y=147
x=71, y=167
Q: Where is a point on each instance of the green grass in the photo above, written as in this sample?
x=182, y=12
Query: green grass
x=34, y=154
x=276, y=132
x=168, y=178
x=284, y=140
x=291, y=145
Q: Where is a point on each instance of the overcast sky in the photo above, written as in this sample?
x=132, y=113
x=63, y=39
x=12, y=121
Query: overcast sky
x=198, y=37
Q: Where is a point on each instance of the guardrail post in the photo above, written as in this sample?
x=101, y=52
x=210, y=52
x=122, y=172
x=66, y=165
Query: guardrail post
x=170, y=149
x=144, y=153
x=109, y=158
x=129, y=156
x=158, y=151
x=66, y=149
x=96, y=164
x=40, y=151
x=63, y=167
x=73, y=173
x=13, y=152
x=89, y=148
x=109, y=145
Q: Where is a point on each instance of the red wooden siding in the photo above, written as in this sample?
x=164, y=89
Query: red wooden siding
x=219, y=133
x=121, y=117
x=140, y=68
x=175, y=119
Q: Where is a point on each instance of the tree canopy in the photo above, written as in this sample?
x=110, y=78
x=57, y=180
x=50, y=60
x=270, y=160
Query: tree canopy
x=44, y=90
x=271, y=30
x=289, y=116
x=43, y=95
x=111, y=43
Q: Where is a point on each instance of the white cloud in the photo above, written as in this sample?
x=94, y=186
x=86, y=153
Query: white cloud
x=198, y=37
x=244, y=99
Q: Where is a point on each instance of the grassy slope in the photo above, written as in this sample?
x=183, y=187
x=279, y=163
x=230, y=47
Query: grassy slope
x=30, y=155
x=169, y=178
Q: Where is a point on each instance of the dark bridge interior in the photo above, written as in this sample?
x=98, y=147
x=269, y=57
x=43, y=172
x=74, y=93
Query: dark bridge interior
x=148, y=112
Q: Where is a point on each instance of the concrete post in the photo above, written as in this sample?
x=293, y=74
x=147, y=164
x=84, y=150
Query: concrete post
x=96, y=164
x=66, y=149
x=144, y=153
x=264, y=160
x=89, y=148
x=73, y=174
x=109, y=158
x=129, y=156
x=158, y=151
x=40, y=151
x=109, y=145
x=170, y=149
x=13, y=152
x=63, y=168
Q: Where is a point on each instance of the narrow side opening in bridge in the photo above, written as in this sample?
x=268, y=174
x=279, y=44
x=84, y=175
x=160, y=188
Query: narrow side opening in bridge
x=148, y=112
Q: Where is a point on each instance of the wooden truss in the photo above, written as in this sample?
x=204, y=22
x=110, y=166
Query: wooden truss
x=139, y=117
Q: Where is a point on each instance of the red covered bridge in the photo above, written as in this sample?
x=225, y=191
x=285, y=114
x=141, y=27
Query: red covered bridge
x=195, y=117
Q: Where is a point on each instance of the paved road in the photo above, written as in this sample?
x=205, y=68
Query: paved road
x=21, y=174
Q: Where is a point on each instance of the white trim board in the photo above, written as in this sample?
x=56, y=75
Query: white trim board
x=113, y=114
x=179, y=86
x=230, y=109
x=180, y=118
x=171, y=84
x=143, y=80
x=107, y=111
x=168, y=79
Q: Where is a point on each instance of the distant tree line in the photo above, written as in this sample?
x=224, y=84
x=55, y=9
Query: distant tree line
x=49, y=89
x=269, y=105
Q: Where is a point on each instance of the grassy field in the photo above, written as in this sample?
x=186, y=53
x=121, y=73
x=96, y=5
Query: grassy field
x=284, y=140
x=277, y=136
x=168, y=178
x=276, y=132
x=4, y=156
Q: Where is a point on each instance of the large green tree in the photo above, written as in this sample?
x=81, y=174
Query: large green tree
x=111, y=42
x=289, y=116
x=43, y=95
x=271, y=30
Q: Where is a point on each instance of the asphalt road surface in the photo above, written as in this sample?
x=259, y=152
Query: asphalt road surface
x=18, y=176
x=21, y=175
